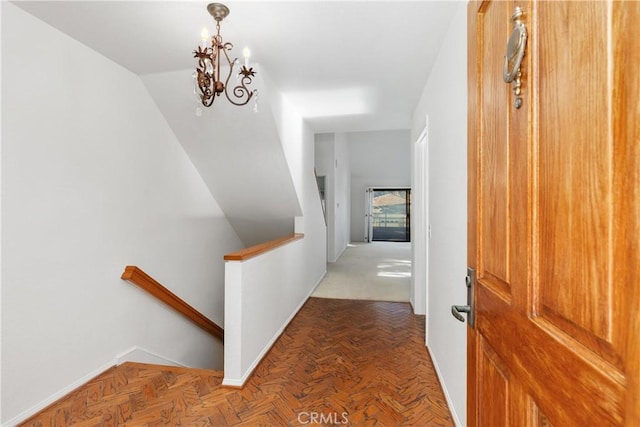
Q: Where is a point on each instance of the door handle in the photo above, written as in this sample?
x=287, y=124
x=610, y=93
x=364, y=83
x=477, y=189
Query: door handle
x=457, y=309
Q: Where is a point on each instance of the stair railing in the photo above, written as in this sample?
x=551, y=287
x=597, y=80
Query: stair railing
x=136, y=276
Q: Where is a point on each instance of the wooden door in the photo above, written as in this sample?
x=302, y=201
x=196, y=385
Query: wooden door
x=554, y=213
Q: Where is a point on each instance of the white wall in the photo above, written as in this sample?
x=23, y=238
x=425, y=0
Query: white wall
x=343, y=196
x=324, y=152
x=332, y=161
x=323, y=157
x=93, y=179
x=264, y=293
x=419, y=223
x=298, y=142
x=444, y=99
x=378, y=159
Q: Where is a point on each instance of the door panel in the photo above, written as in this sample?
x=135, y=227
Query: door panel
x=541, y=419
x=575, y=180
x=494, y=382
x=494, y=190
x=554, y=206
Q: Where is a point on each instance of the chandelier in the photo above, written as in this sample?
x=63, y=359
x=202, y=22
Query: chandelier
x=208, y=72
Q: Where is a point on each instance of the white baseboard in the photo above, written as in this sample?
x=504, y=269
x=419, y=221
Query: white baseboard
x=59, y=394
x=134, y=354
x=339, y=255
x=239, y=382
x=317, y=283
x=456, y=418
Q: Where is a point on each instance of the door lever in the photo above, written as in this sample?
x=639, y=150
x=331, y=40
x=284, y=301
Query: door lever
x=457, y=309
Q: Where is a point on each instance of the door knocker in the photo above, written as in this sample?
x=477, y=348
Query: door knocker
x=515, y=52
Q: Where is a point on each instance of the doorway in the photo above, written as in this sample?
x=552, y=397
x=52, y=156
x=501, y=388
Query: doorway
x=388, y=215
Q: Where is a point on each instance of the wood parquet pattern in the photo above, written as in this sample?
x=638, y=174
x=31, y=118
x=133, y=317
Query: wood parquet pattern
x=339, y=362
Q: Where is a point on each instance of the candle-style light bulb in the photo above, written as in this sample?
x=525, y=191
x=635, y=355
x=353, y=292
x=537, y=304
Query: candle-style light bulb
x=204, y=34
x=246, y=52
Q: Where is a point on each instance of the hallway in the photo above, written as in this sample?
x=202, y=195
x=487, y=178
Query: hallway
x=338, y=362
x=378, y=271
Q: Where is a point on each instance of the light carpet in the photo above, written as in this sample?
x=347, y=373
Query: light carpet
x=379, y=271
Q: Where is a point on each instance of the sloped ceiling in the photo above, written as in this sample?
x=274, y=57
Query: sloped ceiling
x=238, y=154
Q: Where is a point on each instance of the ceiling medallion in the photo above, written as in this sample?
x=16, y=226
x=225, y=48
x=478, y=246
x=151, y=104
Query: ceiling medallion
x=208, y=72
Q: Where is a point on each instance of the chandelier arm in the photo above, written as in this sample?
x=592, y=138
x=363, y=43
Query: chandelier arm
x=208, y=100
x=239, y=91
x=204, y=83
x=224, y=47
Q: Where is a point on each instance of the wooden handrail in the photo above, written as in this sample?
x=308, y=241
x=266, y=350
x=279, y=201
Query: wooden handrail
x=136, y=276
x=261, y=248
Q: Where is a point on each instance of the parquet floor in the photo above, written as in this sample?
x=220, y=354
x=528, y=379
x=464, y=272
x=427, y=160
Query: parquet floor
x=339, y=362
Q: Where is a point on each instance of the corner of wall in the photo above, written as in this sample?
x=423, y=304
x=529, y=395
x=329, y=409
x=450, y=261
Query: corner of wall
x=140, y=355
x=444, y=100
x=445, y=391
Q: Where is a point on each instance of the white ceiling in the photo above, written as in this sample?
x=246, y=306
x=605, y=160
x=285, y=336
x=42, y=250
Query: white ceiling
x=346, y=65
